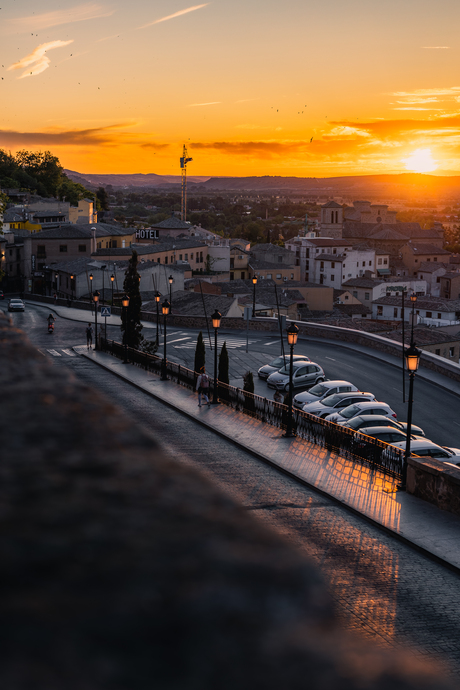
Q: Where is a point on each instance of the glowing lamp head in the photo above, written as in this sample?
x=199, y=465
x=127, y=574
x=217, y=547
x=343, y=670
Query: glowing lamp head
x=165, y=307
x=254, y=280
x=412, y=356
x=171, y=280
x=96, y=296
x=112, y=277
x=125, y=301
x=157, y=296
x=413, y=297
x=90, y=276
x=292, y=333
x=216, y=317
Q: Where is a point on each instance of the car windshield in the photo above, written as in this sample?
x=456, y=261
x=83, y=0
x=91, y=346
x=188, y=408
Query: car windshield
x=278, y=362
x=296, y=365
x=318, y=390
x=331, y=400
x=350, y=411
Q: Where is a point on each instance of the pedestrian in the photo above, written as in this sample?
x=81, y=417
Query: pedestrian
x=89, y=336
x=277, y=397
x=55, y=298
x=202, y=386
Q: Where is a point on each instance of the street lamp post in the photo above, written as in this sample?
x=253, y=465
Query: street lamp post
x=412, y=362
x=72, y=286
x=171, y=281
x=165, y=307
x=56, y=276
x=413, y=299
x=157, y=302
x=254, y=282
x=216, y=317
x=124, y=308
x=96, y=300
x=103, y=283
x=112, y=278
x=292, y=333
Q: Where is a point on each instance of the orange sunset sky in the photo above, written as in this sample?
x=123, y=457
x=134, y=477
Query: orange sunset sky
x=252, y=87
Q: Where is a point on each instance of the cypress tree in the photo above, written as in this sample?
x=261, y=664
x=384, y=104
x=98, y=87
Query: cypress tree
x=223, y=374
x=224, y=365
x=132, y=320
x=200, y=353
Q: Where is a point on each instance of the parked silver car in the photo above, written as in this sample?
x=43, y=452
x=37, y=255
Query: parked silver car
x=265, y=371
x=364, y=407
x=336, y=403
x=304, y=374
x=322, y=390
x=361, y=421
x=424, y=448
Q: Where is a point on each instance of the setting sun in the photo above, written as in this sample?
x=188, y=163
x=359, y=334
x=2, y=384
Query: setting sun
x=420, y=161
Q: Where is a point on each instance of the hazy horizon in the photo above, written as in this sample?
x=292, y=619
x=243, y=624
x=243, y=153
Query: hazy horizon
x=326, y=89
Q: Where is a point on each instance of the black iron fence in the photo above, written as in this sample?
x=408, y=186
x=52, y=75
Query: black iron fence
x=338, y=439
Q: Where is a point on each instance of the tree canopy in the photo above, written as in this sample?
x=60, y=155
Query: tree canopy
x=39, y=172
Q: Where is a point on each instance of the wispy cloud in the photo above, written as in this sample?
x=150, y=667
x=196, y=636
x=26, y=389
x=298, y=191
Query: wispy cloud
x=77, y=137
x=79, y=13
x=436, y=47
x=198, y=105
x=176, y=14
x=452, y=91
x=36, y=62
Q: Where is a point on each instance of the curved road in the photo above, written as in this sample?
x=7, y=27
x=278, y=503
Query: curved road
x=383, y=589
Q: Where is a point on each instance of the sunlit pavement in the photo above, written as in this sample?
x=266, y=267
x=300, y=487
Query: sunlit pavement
x=367, y=492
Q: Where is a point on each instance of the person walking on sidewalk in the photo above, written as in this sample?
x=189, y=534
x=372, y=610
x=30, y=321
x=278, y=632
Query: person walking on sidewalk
x=202, y=386
x=89, y=336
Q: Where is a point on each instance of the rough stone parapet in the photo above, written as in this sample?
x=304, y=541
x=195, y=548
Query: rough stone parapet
x=434, y=481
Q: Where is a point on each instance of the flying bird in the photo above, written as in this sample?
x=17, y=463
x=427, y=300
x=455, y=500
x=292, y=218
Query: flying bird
x=311, y=140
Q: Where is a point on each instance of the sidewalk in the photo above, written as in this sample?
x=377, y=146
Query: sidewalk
x=368, y=493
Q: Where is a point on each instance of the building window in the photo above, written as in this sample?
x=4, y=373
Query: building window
x=63, y=248
x=379, y=262
x=439, y=315
x=280, y=259
x=332, y=264
x=366, y=295
x=343, y=277
x=232, y=276
x=435, y=258
x=437, y=352
x=180, y=257
x=242, y=275
x=385, y=262
x=355, y=294
x=278, y=276
x=332, y=277
x=428, y=315
x=321, y=266
x=191, y=256
x=364, y=263
x=416, y=261
x=395, y=312
x=41, y=251
x=370, y=263
x=379, y=310
x=292, y=276
x=451, y=351
x=269, y=276
x=166, y=259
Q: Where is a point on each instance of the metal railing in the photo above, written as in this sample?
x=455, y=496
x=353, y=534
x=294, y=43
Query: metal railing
x=341, y=440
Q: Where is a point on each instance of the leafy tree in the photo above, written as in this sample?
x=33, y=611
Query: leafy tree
x=132, y=321
x=103, y=198
x=200, y=353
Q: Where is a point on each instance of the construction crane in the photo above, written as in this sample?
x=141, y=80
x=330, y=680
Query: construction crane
x=183, y=165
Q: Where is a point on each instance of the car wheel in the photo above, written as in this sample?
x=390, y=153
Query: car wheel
x=320, y=380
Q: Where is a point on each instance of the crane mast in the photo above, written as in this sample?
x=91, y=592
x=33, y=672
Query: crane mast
x=183, y=165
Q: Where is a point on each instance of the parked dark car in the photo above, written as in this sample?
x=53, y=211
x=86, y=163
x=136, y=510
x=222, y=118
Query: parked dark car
x=16, y=305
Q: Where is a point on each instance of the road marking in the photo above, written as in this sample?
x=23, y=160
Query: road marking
x=170, y=342
x=331, y=358
x=55, y=353
x=273, y=342
x=69, y=353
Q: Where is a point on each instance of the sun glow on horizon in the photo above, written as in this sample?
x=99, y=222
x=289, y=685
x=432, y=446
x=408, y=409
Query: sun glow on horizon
x=420, y=161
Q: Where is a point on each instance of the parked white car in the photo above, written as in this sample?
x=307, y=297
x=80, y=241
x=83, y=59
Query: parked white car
x=336, y=402
x=424, y=448
x=279, y=362
x=366, y=407
x=322, y=390
x=304, y=374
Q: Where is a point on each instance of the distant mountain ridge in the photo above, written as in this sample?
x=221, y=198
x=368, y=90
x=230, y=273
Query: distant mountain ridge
x=355, y=185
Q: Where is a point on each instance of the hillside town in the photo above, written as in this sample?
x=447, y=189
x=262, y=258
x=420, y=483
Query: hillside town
x=349, y=264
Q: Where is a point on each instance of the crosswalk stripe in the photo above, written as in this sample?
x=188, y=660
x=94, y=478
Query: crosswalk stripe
x=55, y=353
x=69, y=353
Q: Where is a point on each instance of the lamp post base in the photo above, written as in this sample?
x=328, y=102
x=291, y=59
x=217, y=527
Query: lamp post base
x=291, y=434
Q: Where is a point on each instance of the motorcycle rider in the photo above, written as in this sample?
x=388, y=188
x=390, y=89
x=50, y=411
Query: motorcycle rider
x=51, y=319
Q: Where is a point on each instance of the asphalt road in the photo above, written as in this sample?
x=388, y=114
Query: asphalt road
x=382, y=589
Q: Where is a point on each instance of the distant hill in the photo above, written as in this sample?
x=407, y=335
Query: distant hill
x=402, y=185
x=137, y=180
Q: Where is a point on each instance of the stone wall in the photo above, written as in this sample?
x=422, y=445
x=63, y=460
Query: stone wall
x=122, y=569
x=436, y=482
